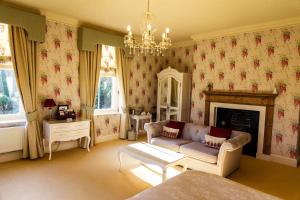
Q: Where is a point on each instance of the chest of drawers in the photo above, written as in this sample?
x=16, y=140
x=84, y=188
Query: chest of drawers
x=66, y=131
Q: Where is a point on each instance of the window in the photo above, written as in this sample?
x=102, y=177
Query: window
x=10, y=102
x=107, y=95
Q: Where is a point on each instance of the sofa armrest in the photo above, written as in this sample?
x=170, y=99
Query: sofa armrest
x=237, y=142
x=154, y=129
x=230, y=153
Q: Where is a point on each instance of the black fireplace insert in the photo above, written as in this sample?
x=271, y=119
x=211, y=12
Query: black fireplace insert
x=240, y=120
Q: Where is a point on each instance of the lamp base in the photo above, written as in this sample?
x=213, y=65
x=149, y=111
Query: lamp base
x=50, y=114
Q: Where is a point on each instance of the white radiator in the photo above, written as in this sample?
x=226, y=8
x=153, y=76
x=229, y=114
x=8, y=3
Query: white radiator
x=11, y=139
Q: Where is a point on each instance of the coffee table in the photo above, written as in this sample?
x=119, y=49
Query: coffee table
x=151, y=154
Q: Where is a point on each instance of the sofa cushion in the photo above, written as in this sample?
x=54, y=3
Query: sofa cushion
x=214, y=142
x=176, y=125
x=200, y=151
x=195, y=132
x=172, y=144
x=220, y=132
x=169, y=132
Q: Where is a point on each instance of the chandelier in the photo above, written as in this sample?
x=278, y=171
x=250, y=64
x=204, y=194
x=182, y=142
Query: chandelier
x=147, y=44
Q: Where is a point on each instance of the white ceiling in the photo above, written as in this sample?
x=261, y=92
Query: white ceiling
x=184, y=17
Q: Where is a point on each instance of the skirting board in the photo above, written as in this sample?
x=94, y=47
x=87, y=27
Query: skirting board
x=279, y=159
x=106, y=138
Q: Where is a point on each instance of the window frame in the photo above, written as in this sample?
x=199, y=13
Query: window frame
x=115, y=99
x=20, y=116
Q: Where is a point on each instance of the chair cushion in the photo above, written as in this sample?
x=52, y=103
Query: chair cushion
x=176, y=125
x=200, y=151
x=172, y=144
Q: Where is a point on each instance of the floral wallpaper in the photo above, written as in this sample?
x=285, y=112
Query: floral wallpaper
x=254, y=62
x=107, y=125
x=59, y=66
x=59, y=74
x=142, y=81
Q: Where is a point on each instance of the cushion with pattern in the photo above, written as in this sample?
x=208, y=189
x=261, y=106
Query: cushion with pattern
x=214, y=142
x=170, y=132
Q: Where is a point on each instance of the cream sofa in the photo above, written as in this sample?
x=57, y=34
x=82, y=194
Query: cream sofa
x=199, y=156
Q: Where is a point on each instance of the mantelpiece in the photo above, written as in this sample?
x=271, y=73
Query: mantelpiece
x=266, y=99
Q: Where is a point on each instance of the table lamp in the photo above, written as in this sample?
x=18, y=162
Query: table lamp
x=49, y=103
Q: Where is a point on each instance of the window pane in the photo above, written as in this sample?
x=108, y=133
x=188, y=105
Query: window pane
x=9, y=95
x=108, y=57
x=104, y=96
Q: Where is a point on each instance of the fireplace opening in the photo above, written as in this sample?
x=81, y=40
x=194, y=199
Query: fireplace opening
x=241, y=120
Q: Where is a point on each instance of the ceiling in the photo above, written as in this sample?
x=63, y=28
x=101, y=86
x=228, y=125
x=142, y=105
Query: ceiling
x=183, y=17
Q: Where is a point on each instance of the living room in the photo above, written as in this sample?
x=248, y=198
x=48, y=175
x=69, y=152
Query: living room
x=106, y=100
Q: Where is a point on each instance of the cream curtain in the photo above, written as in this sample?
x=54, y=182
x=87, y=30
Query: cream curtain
x=122, y=66
x=89, y=64
x=25, y=62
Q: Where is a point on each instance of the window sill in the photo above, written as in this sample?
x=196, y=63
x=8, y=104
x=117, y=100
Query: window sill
x=99, y=113
x=12, y=123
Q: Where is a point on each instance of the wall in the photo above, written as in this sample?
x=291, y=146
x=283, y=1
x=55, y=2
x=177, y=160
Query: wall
x=253, y=62
x=142, y=81
x=59, y=76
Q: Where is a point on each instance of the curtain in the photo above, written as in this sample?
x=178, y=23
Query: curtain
x=122, y=66
x=89, y=72
x=25, y=62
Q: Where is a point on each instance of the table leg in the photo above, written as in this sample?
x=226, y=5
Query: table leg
x=164, y=174
x=137, y=129
x=88, y=143
x=120, y=160
x=50, y=151
x=184, y=167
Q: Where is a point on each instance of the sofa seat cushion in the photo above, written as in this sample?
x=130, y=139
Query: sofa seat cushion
x=200, y=151
x=172, y=144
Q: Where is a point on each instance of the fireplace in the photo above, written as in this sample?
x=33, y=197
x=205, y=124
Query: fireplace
x=240, y=120
x=261, y=102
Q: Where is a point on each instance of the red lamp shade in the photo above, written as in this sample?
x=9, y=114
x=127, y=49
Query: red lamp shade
x=49, y=103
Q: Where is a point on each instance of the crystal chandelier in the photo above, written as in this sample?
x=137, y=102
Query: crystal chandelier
x=147, y=44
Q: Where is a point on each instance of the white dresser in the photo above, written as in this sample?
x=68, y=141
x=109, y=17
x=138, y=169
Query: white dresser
x=60, y=130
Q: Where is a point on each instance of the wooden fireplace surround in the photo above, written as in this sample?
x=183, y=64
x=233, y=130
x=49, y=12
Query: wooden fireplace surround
x=266, y=99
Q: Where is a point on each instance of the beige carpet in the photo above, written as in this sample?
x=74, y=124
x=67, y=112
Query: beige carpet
x=76, y=174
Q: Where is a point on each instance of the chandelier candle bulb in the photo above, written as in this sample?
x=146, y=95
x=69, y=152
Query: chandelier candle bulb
x=128, y=28
x=167, y=30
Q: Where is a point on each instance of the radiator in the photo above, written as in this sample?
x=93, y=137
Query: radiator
x=11, y=139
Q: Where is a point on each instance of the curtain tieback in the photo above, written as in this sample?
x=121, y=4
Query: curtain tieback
x=31, y=116
x=124, y=109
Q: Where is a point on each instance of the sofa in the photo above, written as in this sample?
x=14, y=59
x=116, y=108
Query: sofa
x=199, y=156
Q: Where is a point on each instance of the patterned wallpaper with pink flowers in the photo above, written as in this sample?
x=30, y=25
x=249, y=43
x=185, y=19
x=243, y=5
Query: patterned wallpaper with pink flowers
x=254, y=62
x=142, y=81
x=59, y=65
x=59, y=75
